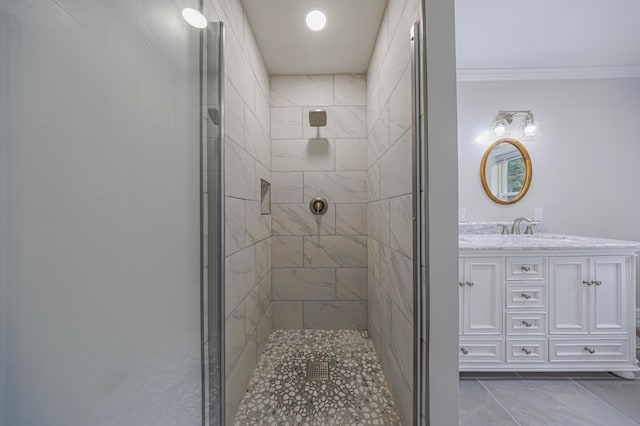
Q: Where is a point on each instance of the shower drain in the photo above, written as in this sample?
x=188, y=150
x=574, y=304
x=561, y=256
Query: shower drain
x=317, y=370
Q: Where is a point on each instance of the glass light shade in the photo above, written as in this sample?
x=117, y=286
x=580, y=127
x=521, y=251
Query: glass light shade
x=316, y=20
x=194, y=18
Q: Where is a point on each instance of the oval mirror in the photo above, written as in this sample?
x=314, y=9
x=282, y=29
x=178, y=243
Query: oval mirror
x=506, y=171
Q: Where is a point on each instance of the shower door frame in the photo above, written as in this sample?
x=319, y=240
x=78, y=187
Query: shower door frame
x=212, y=207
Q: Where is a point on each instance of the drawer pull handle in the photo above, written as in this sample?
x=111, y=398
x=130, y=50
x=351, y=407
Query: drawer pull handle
x=525, y=268
x=526, y=351
x=461, y=283
x=464, y=351
x=527, y=324
x=596, y=282
x=470, y=283
x=591, y=351
x=587, y=282
x=526, y=296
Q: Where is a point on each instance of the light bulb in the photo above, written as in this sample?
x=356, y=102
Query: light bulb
x=194, y=18
x=499, y=129
x=530, y=129
x=316, y=20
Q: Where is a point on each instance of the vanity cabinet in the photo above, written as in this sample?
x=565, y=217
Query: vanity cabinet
x=554, y=310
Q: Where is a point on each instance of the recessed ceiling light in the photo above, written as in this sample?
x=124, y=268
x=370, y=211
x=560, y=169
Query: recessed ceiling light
x=316, y=20
x=194, y=18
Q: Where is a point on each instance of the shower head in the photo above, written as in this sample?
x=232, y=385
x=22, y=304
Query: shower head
x=317, y=118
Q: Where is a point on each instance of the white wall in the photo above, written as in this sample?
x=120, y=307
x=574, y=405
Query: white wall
x=585, y=162
x=101, y=305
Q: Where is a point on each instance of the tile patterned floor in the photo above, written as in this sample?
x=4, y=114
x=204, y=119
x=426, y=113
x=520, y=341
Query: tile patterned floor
x=280, y=393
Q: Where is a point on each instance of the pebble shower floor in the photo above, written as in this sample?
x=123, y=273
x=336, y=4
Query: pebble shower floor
x=280, y=393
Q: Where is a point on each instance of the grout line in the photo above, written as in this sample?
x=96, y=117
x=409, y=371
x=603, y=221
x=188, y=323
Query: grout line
x=499, y=403
x=605, y=402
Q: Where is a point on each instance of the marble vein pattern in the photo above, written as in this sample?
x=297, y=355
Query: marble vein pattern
x=342, y=122
x=336, y=187
x=335, y=251
x=279, y=392
x=296, y=219
x=541, y=241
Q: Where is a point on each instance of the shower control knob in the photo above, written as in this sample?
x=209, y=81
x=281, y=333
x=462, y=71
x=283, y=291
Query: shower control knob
x=319, y=206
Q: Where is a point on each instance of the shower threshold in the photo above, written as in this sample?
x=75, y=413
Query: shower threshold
x=318, y=377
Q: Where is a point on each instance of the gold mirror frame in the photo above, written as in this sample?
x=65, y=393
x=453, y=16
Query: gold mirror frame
x=528, y=168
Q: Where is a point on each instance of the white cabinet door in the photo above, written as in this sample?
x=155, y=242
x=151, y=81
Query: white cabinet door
x=483, y=310
x=609, y=294
x=568, y=295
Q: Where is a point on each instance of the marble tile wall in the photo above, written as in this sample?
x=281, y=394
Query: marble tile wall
x=319, y=275
x=389, y=214
x=248, y=308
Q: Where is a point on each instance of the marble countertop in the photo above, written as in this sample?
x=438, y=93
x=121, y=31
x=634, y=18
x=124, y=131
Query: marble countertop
x=540, y=242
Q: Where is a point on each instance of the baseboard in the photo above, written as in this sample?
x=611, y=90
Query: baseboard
x=637, y=317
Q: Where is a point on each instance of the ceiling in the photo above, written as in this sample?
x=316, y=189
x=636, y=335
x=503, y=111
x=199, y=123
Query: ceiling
x=498, y=34
x=566, y=35
x=289, y=47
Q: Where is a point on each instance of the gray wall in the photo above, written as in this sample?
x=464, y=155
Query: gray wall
x=389, y=214
x=248, y=313
x=103, y=288
x=319, y=262
x=585, y=171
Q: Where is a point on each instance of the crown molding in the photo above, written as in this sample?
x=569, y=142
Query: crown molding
x=577, y=73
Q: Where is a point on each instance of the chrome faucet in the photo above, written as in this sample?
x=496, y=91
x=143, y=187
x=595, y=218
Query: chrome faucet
x=515, y=228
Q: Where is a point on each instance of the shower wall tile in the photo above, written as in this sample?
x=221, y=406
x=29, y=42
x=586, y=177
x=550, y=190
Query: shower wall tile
x=389, y=210
x=351, y=219
x=265, y=327
x=304, y=284
x=379, y=137
x=297, y=219
x=240, y=172
x=373, y=182
x=234, y=114
x=395, y=169
x=335, y=251
x=258, y=226
x=256, y=138
x=397, y=278
x=248, y=232
x=286, y=123
x=297, y=90
x=400, y=107
x=335, y=315
x=302, y=155
x=287, y=315
x=402, y=224
x=351, y=283
x=342, y=122
x=234, y=225
x=286, y=252
x=337, y=187
x=240, y=277
x=350, y=89
x=310, y=252
x=287, y=188
x=263, y=259
x=235, y=337
x=351, y=154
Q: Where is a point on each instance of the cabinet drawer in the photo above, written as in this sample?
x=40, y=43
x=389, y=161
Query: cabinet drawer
x=525, y=268
x=526, y=296
x=588, y=350
x=526, y=350
x=481, y=351
x=526, y=323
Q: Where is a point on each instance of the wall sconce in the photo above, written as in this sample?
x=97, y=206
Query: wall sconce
x=528, y=128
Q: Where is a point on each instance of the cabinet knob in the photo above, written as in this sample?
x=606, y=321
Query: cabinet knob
x=526, y=351
x=470, y=283
x=527, y=324
x=596, y=282
x=464, y=351
x=526, y=296
x=587, y=282
x=461, y=283
x=588, y=349
x=525, y=268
